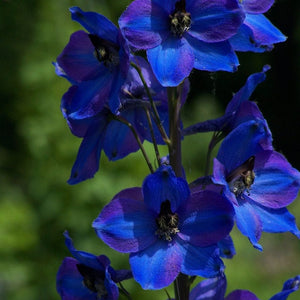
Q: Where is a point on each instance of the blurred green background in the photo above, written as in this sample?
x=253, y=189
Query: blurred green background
x=37, y=151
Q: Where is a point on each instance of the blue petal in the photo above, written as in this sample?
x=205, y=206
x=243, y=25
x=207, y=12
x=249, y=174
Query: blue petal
x=126, y=225
x=210, y=289
x=265, y=33
x=172, y=61
x=241, y=295
x=144, y=24
x=201, y=261
x=157, y=266
x=226, y=246
x=248, y=222
x=95, y=24
x=88, y=156
x=257, y=6
x=213, y=56
x=290, y=286
x=163, y=185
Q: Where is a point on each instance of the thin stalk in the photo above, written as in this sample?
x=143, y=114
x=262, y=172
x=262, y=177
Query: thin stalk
x=181, y=284
x=122, y=120
x=153, y=106
x=124, y=291
x=153, y=137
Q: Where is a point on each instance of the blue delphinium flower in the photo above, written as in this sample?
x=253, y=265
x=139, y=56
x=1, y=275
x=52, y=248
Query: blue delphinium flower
x=240, y=109
x=257, y=34
x=215, y=289
x=96, y=62
x=260, y=183
x=88, y=277
x=166, y=229
x=180, y=35
x=104, y=132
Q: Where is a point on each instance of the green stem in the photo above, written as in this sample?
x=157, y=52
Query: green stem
x=181, y=284
x=122, y=120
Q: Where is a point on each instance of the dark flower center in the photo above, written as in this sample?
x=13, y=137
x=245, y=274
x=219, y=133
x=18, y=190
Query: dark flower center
x=93, y=280
x=105, y=51
x=167, y=222
x=180, y=20
x=242, y=178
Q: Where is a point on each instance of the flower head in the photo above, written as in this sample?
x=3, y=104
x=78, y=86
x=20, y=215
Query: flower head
x=166, y=228
x=88, y=277
x=260, y=183
x=96, y=62
x=182, y=35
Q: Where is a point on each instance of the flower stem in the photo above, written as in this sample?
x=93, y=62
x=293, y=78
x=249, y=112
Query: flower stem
x=181, y=284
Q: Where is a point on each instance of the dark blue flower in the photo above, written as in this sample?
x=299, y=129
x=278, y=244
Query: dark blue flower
x=260, y=183
x=96, y=62
x=166, y=229
x=257, y=33
x=180, y=35
x=88, y=277
x=215, y=289
x=240, y=109
x=104, y=132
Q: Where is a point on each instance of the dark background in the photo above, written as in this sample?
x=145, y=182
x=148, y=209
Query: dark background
x=37, y=151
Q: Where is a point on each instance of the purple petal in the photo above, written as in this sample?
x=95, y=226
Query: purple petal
x=241, y=295
x=126, y=225
x=163, y=185
x=213, y=56
x=265, y=33
x=257, y=6
x=172, y=61
x=69, y=282
x=248, y=222
x=214, y=21
x=134, y=193
x=201, y=261
x=78, y=60
x=95, y=24
x=276, y=182
x=157, y=266
x=226, y=246
x=206, y=219
x=88, y=156
x=144, y=24
x=209, y=289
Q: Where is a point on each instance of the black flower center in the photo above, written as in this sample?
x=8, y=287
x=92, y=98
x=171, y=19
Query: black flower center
x=105, y=51
x=180, y=20
x=242, y=178
x=167, y=222
x=93, y=280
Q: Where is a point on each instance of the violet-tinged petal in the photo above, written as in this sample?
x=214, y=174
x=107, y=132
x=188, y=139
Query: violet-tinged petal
x=134, y=193
x=275, y=220
x=241, y=143
x=69, y=282
x=60, y=72
x=126, y=225
x=290, y=286
x=119, y=140
x=163, y=185
x=246, y=91
x=95, y=24
x=171, y=61
x=201, y=261
x=210, y=289
x=265, y=33
x=244, y=41
x=88, y=156
x=276, y=182
x=214, y=21
x=144, y=24
x=213, y=56
x=157, y=266
x=86, y=258
x=207, y=219
x=257, y=6
x=78, y=60
x=241, y=295
x=226, y=246
x=248, y=222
